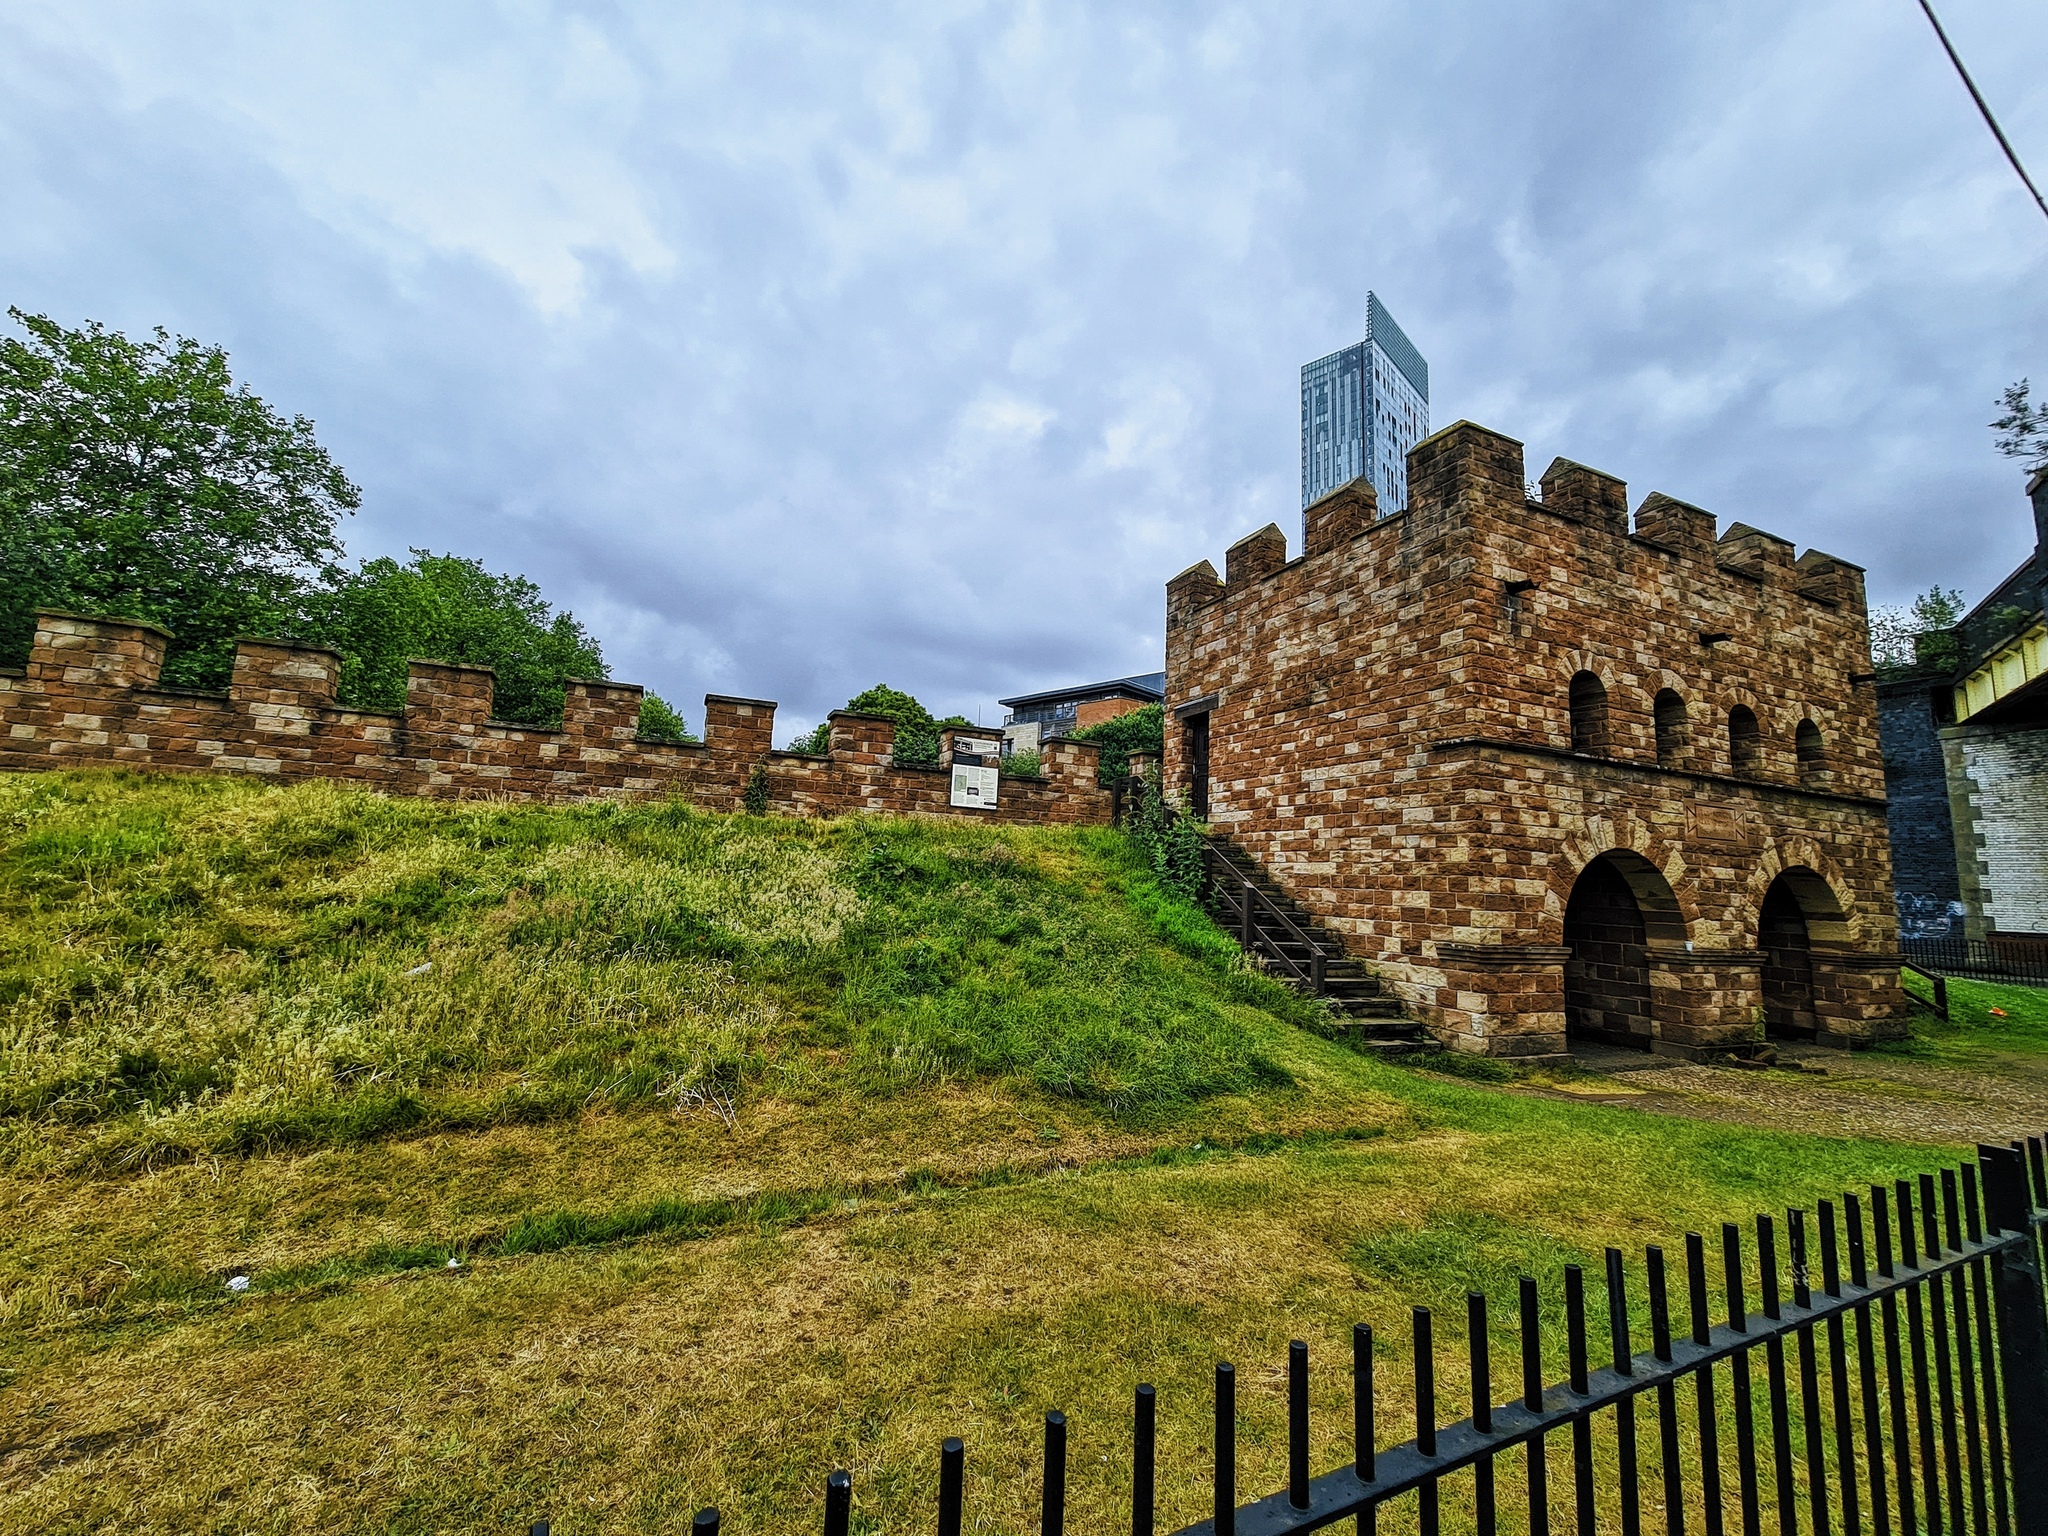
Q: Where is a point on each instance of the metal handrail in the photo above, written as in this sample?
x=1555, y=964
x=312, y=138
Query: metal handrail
x=1249, y=934
x=1937, y=982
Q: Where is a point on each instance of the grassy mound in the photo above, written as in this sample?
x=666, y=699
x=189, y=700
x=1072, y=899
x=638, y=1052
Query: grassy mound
x=198, y=966
x=759, y=1147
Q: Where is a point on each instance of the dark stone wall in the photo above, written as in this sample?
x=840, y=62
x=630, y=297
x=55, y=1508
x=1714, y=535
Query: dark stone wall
x=1909, y=722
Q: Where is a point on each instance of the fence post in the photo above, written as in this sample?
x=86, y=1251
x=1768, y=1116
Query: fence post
x=2022, y=1332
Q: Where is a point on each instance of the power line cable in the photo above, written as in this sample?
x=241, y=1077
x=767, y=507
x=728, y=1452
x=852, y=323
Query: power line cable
x=1984, y=107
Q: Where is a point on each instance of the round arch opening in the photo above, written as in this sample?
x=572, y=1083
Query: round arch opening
x=1799, y=913
x=1620, y=906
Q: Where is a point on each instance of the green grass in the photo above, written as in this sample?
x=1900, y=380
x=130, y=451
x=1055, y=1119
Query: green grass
x=1986, y=1022
x=201, y=966
x=762, y=1146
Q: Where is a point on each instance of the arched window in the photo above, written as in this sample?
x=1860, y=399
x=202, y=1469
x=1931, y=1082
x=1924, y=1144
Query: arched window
x=1589, y=713
x=1812, y=749
x=1745, y=742
x=1671, y=728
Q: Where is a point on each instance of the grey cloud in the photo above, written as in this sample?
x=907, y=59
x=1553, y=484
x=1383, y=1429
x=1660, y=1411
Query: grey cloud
x=800, y=347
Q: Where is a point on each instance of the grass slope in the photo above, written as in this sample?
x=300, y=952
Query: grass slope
x=1988, y=1025
x=762, y=1147
x=194, y=966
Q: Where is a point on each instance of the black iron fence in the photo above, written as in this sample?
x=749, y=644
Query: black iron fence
x=2019, y=958
x=1896, y=1380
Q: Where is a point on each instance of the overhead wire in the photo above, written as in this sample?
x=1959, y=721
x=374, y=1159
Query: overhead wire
x=1984, y=107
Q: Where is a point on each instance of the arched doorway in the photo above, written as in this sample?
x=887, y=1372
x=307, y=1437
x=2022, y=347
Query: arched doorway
x=1799, y=910
x=1620, y=905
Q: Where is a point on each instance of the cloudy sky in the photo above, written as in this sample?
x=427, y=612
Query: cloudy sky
x=800, y=347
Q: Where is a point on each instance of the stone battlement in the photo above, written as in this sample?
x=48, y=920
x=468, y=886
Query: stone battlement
x=1428, y=727
x=90, y=696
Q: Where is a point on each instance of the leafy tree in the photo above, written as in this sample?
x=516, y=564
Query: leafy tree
x=1138, y=730
x=817, y=740
x=917, y=733
x=2023, y=429
x=1917, y=635
x=661, y=721
x=447, y=608
x=138, y=480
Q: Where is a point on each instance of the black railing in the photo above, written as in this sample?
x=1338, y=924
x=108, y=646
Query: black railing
x=1240, y=904
x=2017, y=958
x=1916, y=1376
x=1937, y=986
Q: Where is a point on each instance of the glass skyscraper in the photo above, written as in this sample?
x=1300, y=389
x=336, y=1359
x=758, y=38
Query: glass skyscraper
x=1362, y=409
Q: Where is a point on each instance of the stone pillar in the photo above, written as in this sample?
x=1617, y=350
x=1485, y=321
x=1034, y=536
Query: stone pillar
x=603, y=716
x=742, y=727
x=1857, y=999
x=1503, y=999
x=1254, y=555
x=865, y=741
x=443, y=697
x=1339, y=517
x=1704, y=1002
x=283, y=688
x=73, y=651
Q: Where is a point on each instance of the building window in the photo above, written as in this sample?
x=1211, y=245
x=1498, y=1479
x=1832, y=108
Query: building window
x=1745, y=742
x=1812, y=749
x=1589, y=714
x=1671, y=728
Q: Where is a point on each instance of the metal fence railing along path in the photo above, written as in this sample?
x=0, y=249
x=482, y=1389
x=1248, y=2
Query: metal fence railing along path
x=1896, y=1381
x=2020, y=959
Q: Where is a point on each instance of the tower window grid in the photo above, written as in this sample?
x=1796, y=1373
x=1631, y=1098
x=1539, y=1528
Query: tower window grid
x=1362, y=410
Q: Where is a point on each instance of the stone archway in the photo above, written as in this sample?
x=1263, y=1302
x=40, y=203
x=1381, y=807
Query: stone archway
x=1798, y=908
x=1620, y=907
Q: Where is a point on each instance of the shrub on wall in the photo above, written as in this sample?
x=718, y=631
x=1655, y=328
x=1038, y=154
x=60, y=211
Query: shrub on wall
x=816, y=741
x=917, y=732
x=1141, y=730
x=1171, y=841
x=660, y=721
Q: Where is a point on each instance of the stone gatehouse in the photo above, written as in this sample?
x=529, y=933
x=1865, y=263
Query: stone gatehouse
x=1552, y=775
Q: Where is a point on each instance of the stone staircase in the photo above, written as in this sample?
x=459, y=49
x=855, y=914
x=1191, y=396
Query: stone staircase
x=1367, y=1016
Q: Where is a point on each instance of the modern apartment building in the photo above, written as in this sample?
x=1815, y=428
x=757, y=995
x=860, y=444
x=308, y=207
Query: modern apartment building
x=1362, y=409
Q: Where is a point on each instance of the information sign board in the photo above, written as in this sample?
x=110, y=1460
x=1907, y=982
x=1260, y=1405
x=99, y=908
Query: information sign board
x=975, y=776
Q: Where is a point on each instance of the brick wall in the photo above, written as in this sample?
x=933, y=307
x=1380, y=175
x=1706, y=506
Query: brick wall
x=1998, y=778
x=1390, y=734
x=1926, y=891
x=90, y=696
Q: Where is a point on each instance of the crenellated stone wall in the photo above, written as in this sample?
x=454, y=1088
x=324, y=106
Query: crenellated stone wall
x=90, y=695
x=1389, y=730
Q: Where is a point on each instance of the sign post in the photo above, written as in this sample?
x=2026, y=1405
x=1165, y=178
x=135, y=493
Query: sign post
x=975, y=775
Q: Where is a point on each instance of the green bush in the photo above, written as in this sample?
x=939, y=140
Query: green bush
x=1170, y=841
x=1022, y=765
x=917, y=732
x=1141, y=730
x=659, y=720
x=755, y=796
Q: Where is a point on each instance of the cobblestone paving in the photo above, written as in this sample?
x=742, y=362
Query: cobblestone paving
x=1892, y=1097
